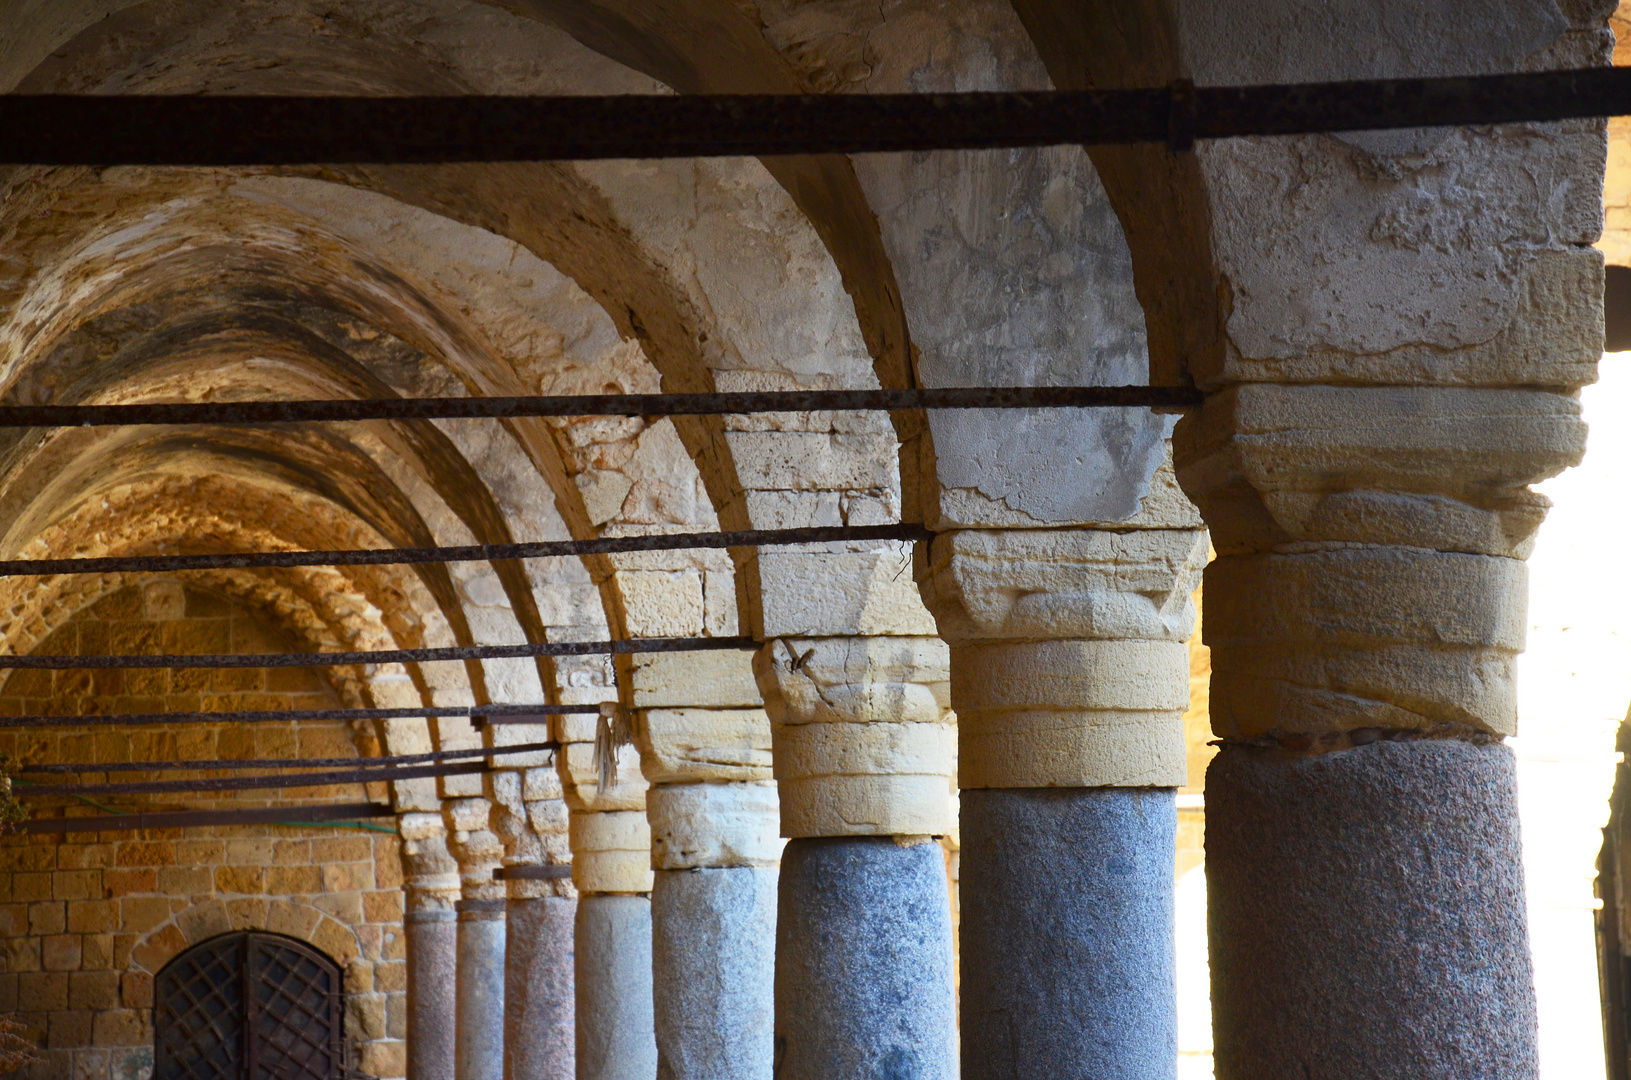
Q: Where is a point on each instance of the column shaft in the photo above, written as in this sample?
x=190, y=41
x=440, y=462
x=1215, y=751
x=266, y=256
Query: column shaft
x=615, y=1038
x=481, y=990
x=539, y=1005
x=863, y=961
x=1067, y=933
x=433, y=955
x=713, y=964
x=1367, y=913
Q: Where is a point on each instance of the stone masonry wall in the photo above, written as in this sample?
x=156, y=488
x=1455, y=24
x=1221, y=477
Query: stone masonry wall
x=88, y=920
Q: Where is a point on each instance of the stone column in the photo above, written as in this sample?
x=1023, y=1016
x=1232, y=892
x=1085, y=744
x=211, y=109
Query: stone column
x=1070, y=676
x=480, y=990
x=432, y=886
x=539, y=1013
x=1364, y=614
x=704, y=744
x=864, y=753
x=611, y=867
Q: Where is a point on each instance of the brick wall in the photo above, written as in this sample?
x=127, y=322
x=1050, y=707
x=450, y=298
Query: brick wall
x=88, y=920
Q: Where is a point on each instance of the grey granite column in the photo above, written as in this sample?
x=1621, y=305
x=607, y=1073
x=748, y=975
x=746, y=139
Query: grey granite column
x=433, y=956
x=481, y=990
x=713, y=963
x=539, y=1025
x=1367, y=914
x=614, y=1003
x=863, y=961
x=1067, y=933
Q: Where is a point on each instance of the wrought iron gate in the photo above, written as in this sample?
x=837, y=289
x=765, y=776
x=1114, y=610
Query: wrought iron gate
x=248, y=1006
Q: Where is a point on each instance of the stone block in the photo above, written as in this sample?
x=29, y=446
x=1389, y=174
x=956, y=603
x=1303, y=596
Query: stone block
x=96, y=952
x=1065, y=583
x=186, y=880
x=293, y=880
x=611, y=852
x=136, y=990
x=808, y=461
x=694, y=745
x=383, y=1059
x=247, y=913
x=295, y=920
x=60, y=952
x=93, y=990
x=240, y=879
x=1445, y=468
x=714, y=825
x=721, y=679
x=159, y=948
x=662, y=603
x=1383, y=637
x=204, y=921
x=580, y=779
x=855, y=680
x=121, y=1027
x=70, y=1028
x=20, y=953
x=43, y=990
x=93, y=916
x=47, y=917
x=840, y=592
x=139, y=914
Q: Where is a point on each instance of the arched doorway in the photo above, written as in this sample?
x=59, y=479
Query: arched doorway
x=248, y=1006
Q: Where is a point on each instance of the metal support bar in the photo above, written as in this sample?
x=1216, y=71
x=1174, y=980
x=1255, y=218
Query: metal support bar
x=381, y=656
x=523, y=714
x=253, y=783
x=191, y=819
x=478, y=408
x=536, y=872
x=232, y=130
x=610, y=545
x=283, y=763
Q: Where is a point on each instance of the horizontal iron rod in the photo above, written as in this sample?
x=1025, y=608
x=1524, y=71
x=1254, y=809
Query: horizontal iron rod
x=533, y=872
x=465, y=408
x=243, y=130
x=380, y=656
x=503, y=713
x=283, y=763
x=611, y=545
x=254, y=783
x=188, y=819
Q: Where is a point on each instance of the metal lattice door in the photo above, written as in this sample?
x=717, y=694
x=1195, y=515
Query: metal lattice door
x=248, y=1007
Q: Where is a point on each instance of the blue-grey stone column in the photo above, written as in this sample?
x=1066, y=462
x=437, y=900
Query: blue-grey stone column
x=433, y=960
x=864, y=752
x=1067, y=933
x=615, y=1024
x=481, y=989
x=713, y=964
x=863, y=961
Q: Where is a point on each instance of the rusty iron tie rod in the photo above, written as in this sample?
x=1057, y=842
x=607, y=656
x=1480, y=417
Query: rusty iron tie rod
x=611, y=545
x=189, y=819
x=379, y=656
x=242, y=130
x=284, y=763
x=512, y=714
x=466, y=408
x=254, y=783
